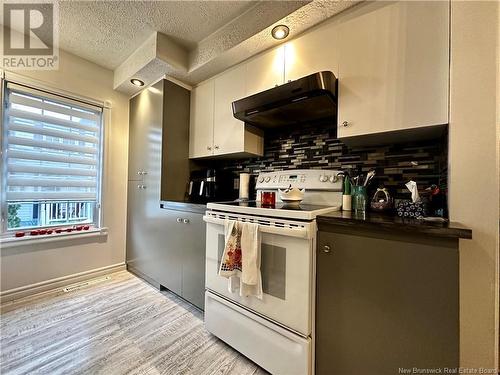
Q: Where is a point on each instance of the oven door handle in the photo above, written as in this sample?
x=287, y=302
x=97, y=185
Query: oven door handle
x=289, y=232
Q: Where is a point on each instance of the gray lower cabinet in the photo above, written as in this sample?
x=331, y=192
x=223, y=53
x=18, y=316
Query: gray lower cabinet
x=385, y=302
x=182, y=262
x=167, y=247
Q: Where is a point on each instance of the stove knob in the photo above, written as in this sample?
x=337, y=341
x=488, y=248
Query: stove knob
x=261, y=179
x=333, y=179
x=323, y=178
x=268, y=179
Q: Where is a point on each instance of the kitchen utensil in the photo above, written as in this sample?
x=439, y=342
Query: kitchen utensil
x=369, y=176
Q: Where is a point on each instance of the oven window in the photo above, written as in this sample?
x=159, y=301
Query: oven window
x=272, y=269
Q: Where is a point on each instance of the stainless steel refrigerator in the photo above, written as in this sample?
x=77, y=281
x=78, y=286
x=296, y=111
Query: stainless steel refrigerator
x=165, y=247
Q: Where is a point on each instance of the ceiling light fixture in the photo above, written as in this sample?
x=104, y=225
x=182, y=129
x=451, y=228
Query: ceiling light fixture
x=137, y=82
x=280, y=32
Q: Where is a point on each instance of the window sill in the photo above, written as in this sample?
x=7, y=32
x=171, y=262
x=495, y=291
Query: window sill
x=45, y=238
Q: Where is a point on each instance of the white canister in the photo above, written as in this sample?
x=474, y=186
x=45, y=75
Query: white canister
x=347, y=202
x=244, y=185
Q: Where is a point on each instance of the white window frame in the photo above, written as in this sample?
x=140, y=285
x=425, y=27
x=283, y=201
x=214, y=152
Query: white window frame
x=7, y=235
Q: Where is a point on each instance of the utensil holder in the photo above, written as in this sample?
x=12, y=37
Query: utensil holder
x=359, y=198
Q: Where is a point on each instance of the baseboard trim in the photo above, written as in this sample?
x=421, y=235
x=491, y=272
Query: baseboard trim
x=146, y=278
x=50, y=285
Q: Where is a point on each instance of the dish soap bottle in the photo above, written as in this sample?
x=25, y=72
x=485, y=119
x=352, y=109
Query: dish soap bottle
x=346, y=195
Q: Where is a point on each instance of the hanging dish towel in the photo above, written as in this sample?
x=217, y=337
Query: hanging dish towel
x=241, y=258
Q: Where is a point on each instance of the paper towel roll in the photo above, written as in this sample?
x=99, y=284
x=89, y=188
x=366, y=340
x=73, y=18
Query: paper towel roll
x=244, y=183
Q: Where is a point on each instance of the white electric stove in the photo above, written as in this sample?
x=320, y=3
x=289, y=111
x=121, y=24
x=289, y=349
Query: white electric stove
x=277, y=331
x=323, y=193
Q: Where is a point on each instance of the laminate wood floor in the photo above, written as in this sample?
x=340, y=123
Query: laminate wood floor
x=119, y=326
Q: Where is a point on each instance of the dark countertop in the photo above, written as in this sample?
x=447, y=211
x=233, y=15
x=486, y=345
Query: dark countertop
x=374, y=221
x=184, y=206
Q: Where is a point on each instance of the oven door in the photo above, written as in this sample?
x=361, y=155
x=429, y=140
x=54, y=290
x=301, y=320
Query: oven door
x=286, y=269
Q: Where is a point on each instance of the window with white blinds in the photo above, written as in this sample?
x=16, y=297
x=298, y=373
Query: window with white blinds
x=52, y=163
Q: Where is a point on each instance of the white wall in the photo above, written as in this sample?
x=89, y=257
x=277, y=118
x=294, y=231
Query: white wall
x=32, y=264
x=474, y=175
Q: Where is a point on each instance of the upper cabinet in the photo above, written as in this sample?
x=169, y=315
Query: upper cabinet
x=392, y=64
x=393, y=67
x=265, y=71
x=312, y=52
x=201, y=129
x=231, y=136
x=214, y=130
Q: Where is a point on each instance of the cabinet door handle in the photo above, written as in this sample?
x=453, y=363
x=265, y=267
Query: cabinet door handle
x=345, y=124
x=179, y=220
x=327, y=249
x=185, y=221
x=209, y=148
x=139, y=173
x=216, y=147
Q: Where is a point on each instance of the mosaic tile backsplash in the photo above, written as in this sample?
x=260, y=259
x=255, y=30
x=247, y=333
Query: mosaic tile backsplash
x=425, y=162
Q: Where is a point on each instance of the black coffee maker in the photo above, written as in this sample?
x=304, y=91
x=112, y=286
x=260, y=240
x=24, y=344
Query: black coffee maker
x=196, y=185
x=202, y=187
x=210, y=185
x=209, y=188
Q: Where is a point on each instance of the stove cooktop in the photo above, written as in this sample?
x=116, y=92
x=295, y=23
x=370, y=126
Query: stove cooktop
x=280, y=209
x=278, y=205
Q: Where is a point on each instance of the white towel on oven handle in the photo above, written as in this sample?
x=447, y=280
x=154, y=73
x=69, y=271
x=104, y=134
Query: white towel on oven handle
x=251, y=278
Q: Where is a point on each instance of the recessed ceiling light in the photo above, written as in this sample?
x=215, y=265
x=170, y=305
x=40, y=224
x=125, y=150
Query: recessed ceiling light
x=137, y=82
x=280, y=32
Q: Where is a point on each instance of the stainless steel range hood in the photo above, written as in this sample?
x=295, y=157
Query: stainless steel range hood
x=306, y=100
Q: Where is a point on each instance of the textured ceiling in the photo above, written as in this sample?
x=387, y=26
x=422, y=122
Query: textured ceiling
x=107, y=32
x=187, y=40
x=300, y=20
